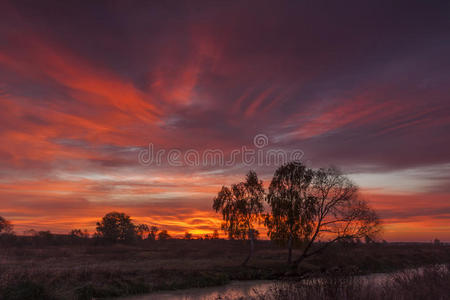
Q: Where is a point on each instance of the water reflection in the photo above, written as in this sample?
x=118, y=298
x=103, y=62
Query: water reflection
x=245, y=289
x=234, y=290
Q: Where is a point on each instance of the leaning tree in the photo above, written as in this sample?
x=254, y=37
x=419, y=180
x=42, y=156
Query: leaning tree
x=292, y=209
x=338, y=213
x=241, y=207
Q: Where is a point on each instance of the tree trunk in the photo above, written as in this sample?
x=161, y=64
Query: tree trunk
x=306, y=253
x=290, y=250
x=252, y=248
x=294, y=265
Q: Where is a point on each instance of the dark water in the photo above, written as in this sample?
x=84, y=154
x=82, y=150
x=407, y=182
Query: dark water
x=243, y=289
x=234, y=290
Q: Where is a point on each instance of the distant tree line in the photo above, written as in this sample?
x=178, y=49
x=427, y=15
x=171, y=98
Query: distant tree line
x=114, y=227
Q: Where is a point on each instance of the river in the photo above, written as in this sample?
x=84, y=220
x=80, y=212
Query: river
x=235, y=290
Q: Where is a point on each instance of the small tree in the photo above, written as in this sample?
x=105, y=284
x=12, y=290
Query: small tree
x=187, y=236
x=5, y=226
x=292, y=215
x=79, y=234
x=338, y=213
x=116, y=227
x=241, y=207
x=153, y=233
x=163, y=235
x=368, y=240
x=215, y=235
x=30, y=232
x=142, y=230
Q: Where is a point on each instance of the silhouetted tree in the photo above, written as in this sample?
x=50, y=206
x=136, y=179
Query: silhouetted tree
x=142, y=231
x=163, y=235
x=215, y=235
x=338, y=212
x=187, y=236
x=292, y=211
x=78, y=233
x=116, y=226
x=45, y=234
x=368, y=240
x=241, y=207
x=30, y=232
x=5, y=226
x=153, y=233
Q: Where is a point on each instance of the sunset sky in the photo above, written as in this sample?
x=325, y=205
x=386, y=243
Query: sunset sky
x=85, y=86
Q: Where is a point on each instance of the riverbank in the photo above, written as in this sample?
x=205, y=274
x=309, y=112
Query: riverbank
x=432, y=282
x=427, y=283
x=87, y=271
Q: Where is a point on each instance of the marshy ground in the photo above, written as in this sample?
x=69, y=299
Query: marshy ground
x=86, y=270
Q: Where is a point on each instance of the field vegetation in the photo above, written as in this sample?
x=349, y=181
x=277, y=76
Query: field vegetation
x=66, y=268
x=428, y=283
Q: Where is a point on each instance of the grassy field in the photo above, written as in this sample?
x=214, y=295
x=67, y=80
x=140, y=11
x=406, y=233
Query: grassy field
x=83, y=271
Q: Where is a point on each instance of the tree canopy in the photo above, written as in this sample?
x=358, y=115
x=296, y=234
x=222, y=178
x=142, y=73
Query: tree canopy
x=292, y=208
x=163, y=235
x=241, y=207
x=116, y=226
x=338, y=212
x=310, y=205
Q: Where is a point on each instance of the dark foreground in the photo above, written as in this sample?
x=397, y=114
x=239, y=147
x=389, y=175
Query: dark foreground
x=428, y=283
x=86, y=271
x=432, y=282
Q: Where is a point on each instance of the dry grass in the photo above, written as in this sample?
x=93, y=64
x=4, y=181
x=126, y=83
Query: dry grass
x=428, y=283
x=83, y=271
